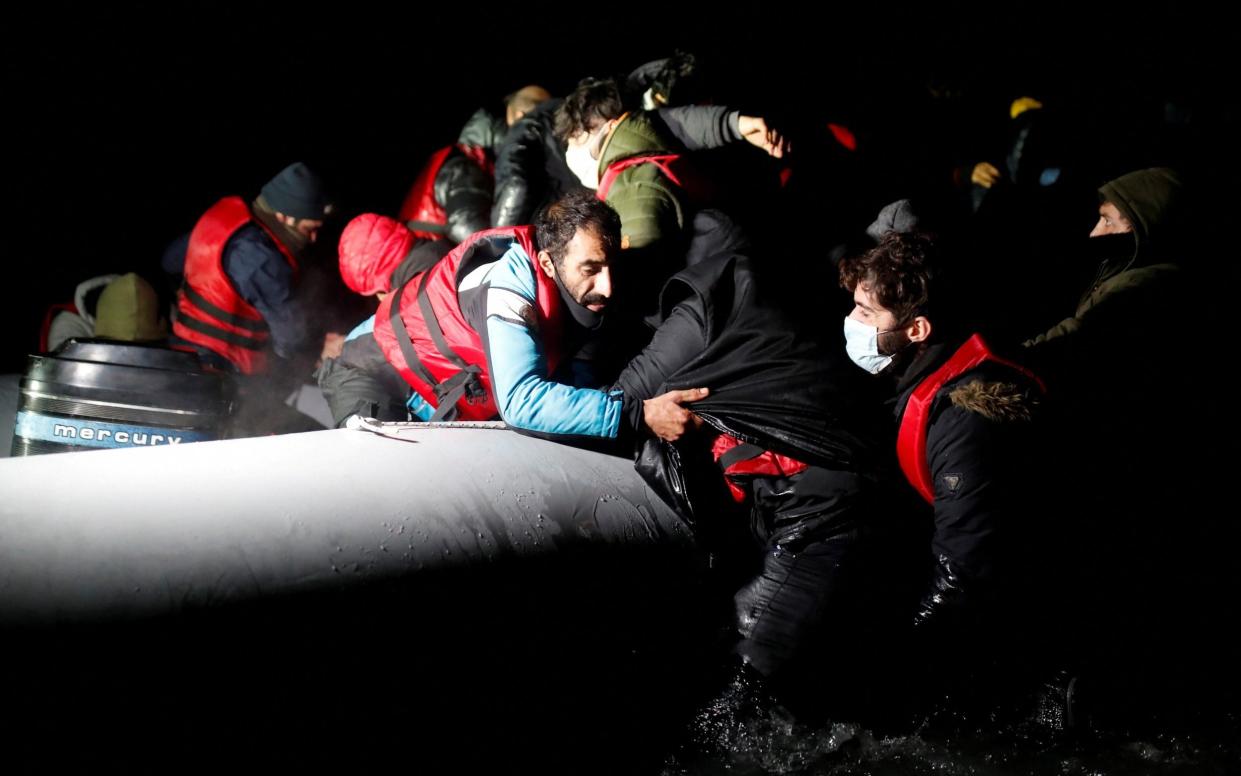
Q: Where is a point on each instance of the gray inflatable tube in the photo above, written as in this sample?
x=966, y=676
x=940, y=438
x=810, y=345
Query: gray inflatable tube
x=126, y=533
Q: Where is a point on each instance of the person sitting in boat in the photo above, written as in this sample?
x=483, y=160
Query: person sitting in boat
x=378, y=253
x=238, y=305
x=492, y=331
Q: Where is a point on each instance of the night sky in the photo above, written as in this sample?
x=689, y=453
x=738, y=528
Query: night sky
x=124, y=125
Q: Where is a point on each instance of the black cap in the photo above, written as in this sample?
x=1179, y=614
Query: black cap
x=298, y=192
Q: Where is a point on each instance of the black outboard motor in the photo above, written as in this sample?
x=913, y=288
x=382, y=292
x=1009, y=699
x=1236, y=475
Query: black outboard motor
x=93, y=394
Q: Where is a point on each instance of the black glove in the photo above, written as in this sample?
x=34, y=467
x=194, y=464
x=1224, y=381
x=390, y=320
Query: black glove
x=947, y=599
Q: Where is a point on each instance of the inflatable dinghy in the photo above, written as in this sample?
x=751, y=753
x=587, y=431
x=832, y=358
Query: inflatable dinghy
x=125, y=533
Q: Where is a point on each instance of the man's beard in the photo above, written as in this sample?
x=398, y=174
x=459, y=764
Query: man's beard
x=577, y=307
x=891, y=343
x=592, y=298
x=896, y=344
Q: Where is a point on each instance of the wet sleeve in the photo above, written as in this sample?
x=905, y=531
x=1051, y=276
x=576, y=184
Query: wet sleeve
x=966, y=457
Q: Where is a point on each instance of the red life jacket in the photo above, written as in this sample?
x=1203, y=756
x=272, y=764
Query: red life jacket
x=669, y=164
x=739, y=460
x=420, y=206
x=911, y=440
x=423, y=333
x=210, y=313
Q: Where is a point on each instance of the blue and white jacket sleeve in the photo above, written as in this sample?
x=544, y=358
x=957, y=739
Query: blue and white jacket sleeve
x=526, y=398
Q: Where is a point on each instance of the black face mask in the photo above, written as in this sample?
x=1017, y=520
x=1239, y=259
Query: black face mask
x=1111, y=247
x=583, y=315
x=1110, y=254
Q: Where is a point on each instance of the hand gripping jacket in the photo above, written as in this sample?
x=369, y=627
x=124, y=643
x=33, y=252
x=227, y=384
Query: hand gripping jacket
x=424, y=334
x=210, y=313
x=420, y=211
x=911, y=439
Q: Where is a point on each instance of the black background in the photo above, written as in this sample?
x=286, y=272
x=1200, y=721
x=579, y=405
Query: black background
x=125, y=123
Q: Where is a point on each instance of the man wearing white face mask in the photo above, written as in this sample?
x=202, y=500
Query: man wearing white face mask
x=965, y=419
x=531, y=168
x=629, y=161
x=582, y=155
x=634, y=161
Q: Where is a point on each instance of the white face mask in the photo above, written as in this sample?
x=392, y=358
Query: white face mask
x=583, y=165
x=862, y=345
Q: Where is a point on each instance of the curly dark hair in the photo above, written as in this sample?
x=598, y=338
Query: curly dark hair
x=594, y=101
x=900, y=272
x=556, y=223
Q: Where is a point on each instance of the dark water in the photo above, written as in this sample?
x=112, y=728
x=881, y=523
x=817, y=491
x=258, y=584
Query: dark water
x=614, y=665
x=734, y=735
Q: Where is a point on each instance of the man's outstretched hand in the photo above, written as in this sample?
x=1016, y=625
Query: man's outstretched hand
x=665, y=416
x=755, y=131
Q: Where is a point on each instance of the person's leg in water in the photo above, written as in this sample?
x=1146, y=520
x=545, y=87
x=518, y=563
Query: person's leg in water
x=803, y=620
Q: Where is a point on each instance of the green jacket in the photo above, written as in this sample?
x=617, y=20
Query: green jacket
x=1150, y=201
x=651, y=208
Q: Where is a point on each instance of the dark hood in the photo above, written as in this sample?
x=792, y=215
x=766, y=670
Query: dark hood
x=1152, y=201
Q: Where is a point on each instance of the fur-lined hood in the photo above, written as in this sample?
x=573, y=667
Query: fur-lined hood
x=999, y=401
